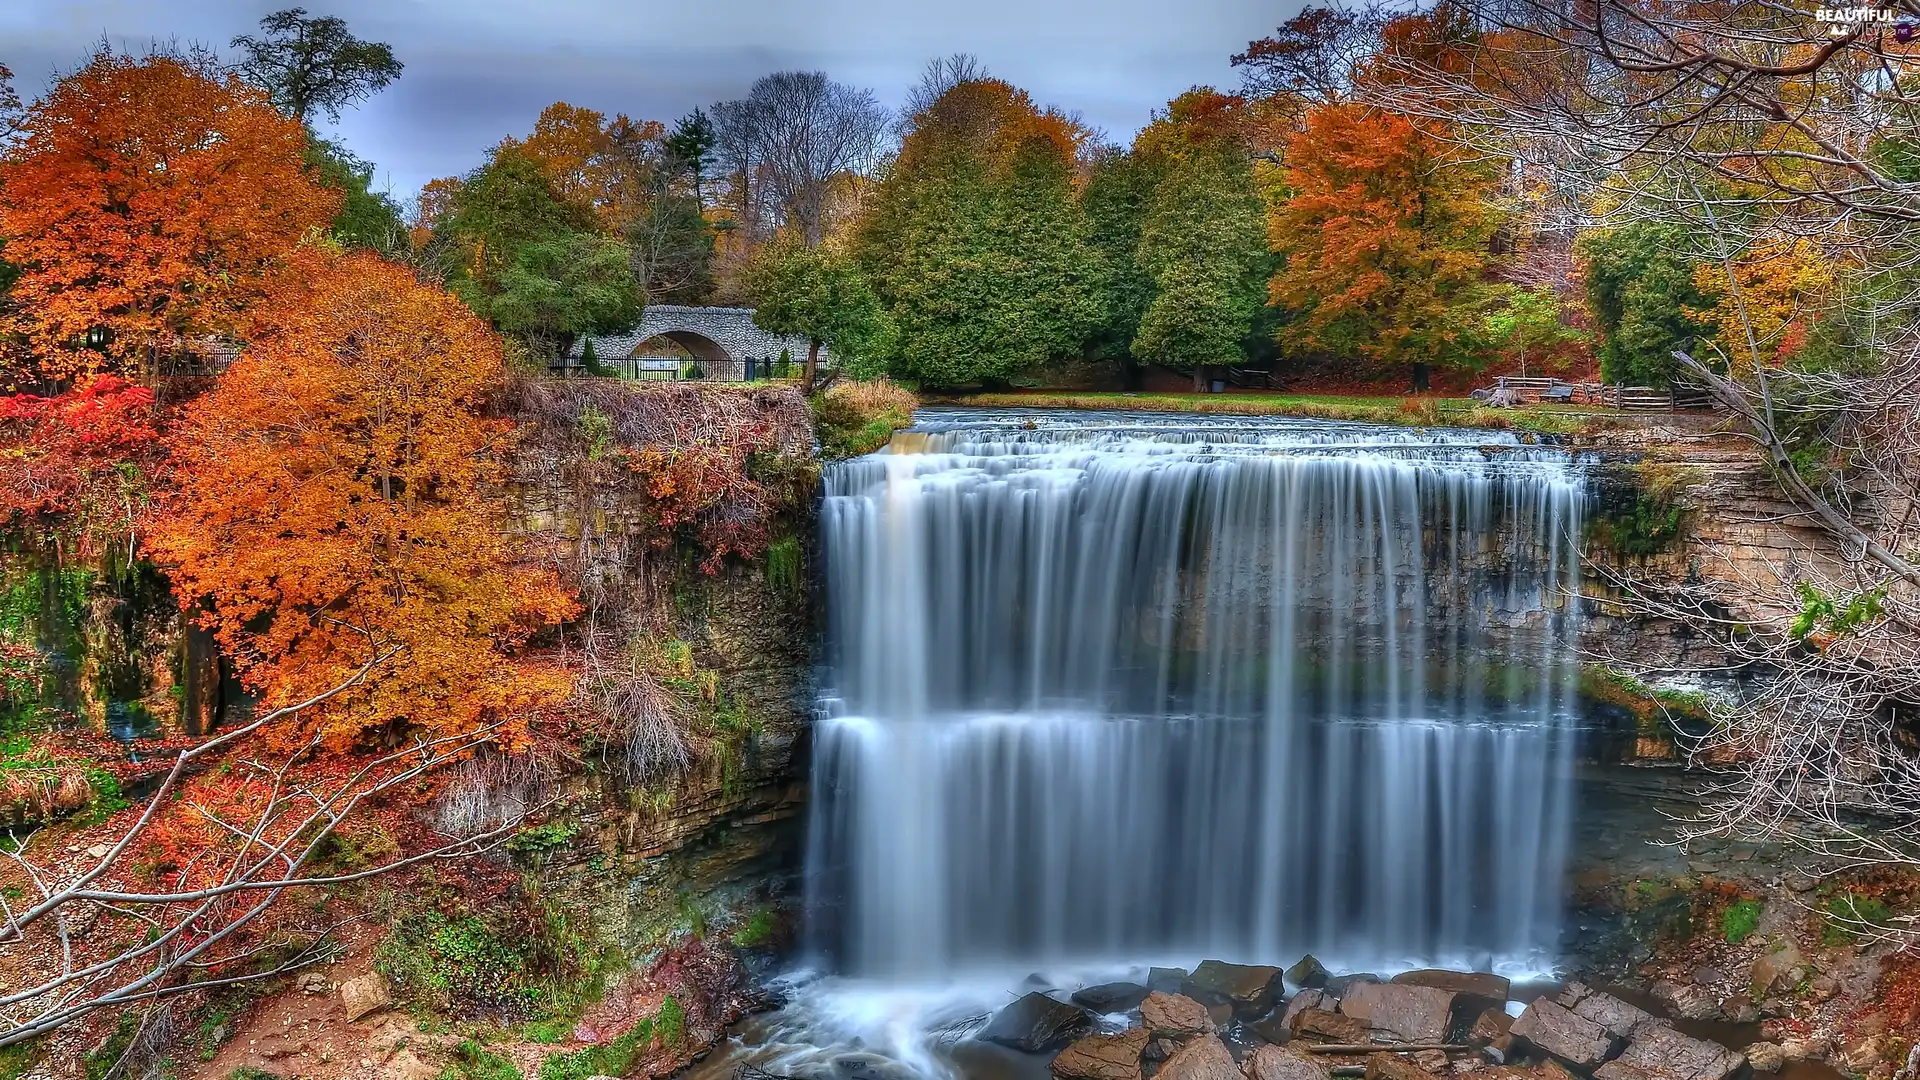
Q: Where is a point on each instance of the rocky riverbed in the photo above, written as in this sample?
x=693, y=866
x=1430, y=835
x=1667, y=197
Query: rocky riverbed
x=1225, y=1021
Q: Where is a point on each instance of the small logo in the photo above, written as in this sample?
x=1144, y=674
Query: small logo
x=1841, y=21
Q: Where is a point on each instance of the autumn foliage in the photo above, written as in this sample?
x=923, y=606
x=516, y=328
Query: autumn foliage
x=76, y=453
x=149, y=199
x=1384, y=237
x=340, y=495
x=592, y=161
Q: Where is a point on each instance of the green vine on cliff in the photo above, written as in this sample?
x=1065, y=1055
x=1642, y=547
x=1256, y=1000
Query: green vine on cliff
x=1653, y=521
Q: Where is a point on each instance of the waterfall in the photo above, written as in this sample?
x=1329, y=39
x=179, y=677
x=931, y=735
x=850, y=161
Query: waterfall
x=1105, y=687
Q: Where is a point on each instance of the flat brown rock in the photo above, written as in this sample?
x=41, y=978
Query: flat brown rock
x=1620, y=1070
x=1665, y=1054
x=1476, y=983
x=1305, y=999
x=1554, y=1029
x=1103, y=1057
x=1490, y=1025
x=1618, y=1017
x=1324, y=1026
x=1400, y=1013
x=1203, y=1058
x=1284, y=1063
x=1173, y=1016
x=1394, y=1067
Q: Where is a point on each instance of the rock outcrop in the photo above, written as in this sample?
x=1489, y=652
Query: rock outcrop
x=1661, y=1053
x=1037, y=1023
x=1284, y=1063
x=1203, y=1058
x=1114, y=997
x=1103, y=1057
x=1171, y=1016
x=1400, y=1013
x=1250, y=990
x=1554, y=1029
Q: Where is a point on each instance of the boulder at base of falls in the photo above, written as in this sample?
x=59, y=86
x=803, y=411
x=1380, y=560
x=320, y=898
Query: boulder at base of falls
x=1113, y=997
x=1397, y=1013
x=1172, y=1016
x=1278, y=1026
x=1473, y=992
x=1661, y=1053
x=1394, y=1067
x=1103, y=1057
x=1284, y=1063
x=1308, y=973
x=1475, y=983
x=1036, y=1023
x=1204, y=1058
x=1339, y=985
x=1250, y=989
x=869, y=1067
x=1319, y=1025
x=1305, y=999
x=1489, y=1028
x=1166, y=980
x=1554, y=1029
x=1621, y=1019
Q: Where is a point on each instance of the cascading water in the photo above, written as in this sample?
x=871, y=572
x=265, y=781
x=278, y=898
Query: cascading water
x=1107, y=688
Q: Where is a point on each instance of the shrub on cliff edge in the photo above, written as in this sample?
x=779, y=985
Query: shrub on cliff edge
x=858, y=418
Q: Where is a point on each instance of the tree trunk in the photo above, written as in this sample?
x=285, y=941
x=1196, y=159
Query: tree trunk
x=813, y=365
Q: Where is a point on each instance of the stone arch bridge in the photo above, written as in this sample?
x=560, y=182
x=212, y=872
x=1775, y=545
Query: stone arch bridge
x=723, y=340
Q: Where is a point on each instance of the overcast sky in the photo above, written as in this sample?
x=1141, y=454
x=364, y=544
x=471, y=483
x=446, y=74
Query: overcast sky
x=480, y=69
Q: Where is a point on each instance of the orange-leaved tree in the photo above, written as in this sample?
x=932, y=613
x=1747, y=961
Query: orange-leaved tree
x=145, y=204
x=340, y=495
x=1385, y=237
x=591, y=160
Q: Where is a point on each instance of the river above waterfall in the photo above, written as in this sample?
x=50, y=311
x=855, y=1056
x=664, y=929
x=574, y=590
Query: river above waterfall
x=1108, y=690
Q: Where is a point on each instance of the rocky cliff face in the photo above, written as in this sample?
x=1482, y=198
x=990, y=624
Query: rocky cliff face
x=1679, y=513
x=638, y=493
x=1673, y=508
x=722, y=840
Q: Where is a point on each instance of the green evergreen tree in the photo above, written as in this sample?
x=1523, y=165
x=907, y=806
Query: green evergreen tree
x=1203, y=245
x=976, y=246
x=590, y=360
x=1641, y=293
x=689, y=145
x=1115, y=200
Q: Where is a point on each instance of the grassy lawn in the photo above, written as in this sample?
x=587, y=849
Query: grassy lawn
x=1413, y=411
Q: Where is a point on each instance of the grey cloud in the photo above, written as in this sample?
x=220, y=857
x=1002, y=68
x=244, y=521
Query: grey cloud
x=480, y=71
